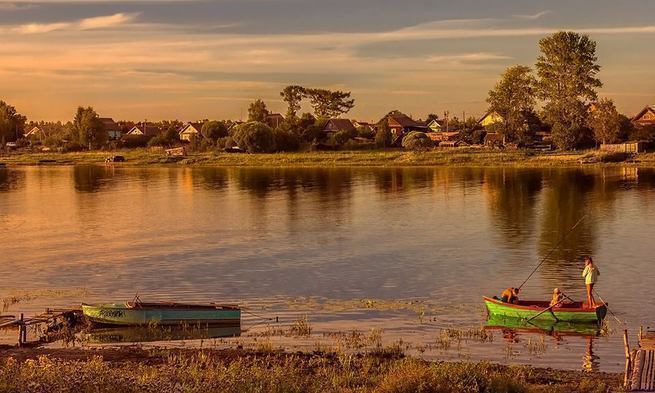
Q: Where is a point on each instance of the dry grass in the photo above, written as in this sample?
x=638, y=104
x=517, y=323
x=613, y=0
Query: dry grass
x=240, y=371
x=391, y=158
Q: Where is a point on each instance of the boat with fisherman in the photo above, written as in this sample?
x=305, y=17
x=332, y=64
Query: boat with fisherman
x=137, y=313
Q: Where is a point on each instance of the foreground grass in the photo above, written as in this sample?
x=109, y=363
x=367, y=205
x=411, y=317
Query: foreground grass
x=437, y=157
x=137, y=370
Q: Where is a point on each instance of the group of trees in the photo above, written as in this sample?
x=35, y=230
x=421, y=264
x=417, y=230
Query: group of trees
x=566, y=82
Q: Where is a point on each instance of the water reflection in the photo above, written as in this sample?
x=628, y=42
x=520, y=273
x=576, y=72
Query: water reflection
x=158, y=333
x=93, y=178
x=11, y=180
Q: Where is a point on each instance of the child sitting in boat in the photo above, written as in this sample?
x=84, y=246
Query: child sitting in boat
x=510, y=295
x=557, y=298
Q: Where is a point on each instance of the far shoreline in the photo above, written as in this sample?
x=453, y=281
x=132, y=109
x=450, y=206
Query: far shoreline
x=445, y=157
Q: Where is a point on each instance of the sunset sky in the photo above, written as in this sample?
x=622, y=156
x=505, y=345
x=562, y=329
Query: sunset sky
x=193, y=59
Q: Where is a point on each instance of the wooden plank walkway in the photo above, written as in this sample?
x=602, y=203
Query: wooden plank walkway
x=643, y=371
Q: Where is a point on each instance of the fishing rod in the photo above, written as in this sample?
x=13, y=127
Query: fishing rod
x=559, y=243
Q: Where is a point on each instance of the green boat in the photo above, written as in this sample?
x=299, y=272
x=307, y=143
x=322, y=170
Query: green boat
x=574, y=312
x=550, y=327
x=141, y=314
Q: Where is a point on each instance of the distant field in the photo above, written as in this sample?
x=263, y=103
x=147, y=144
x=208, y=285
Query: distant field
x=389, y=158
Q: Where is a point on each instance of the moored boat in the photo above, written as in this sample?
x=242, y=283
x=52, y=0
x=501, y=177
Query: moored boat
x=575, y=312
x=161, y=313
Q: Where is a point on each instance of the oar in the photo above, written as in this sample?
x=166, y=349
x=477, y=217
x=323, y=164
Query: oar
x=551, y=308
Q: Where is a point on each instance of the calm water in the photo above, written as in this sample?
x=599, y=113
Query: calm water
x=316, y=242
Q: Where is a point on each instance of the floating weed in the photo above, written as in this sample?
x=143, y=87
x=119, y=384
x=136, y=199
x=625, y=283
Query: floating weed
x=300, y=328
x=536, y=346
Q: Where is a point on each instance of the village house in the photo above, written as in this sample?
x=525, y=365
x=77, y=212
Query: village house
x=490, y=118
x=112, y=129
x=645, y=118
x=190, y=130
x=274, y=120
x=399, y=124
x=144, y=129
x=336, y=125
x=366, y=126
x=35, y=132
x=436, y=125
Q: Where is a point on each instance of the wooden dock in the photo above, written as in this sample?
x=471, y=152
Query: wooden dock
x=642, y=377
x=49, y=321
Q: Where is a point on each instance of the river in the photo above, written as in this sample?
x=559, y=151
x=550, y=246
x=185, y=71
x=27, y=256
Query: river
x=344, y=246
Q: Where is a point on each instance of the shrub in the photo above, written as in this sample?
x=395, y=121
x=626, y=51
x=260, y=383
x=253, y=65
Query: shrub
x=417, y=140
x=254, y=137
x=383, y=137
x=225, y=142
x=339, y=138
x=285, y=140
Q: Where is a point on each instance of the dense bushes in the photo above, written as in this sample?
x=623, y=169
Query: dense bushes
x=416, y=140
x=254, y=137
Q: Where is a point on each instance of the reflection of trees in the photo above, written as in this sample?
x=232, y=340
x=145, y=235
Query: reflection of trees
x=11, y=180
x=565, y=202
x=401, y=180
x=211, y=178
x=92, y=178
x=512, y=196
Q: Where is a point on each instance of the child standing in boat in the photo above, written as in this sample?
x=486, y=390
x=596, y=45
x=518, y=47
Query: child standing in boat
x=590, y=275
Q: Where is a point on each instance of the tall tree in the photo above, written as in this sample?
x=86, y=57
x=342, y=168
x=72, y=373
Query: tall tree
x=567, y=69
x=512, y=99
x=257, y=111
x=12, y=123
x=88, y=128
x=605, y=121
x=293, y=96
x=328, y=103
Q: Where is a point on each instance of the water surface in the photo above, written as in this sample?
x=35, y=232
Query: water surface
x=319, y=241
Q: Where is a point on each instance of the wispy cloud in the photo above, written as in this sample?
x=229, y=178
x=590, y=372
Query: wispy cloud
x=99, y=22
x=467, y=57
x=16, y=6
x=536, y=16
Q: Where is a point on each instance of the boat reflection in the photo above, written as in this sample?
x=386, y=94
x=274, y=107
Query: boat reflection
x=551, y=328
x=158, y=333
x=512, y=328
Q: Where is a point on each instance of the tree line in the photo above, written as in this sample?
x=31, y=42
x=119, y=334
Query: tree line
x=565, y=82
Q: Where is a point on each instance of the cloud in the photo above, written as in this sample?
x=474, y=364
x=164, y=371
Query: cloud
x=15, y=6
x=99, y=22
x=38, y=28
x=536, y=16
x=467, y=57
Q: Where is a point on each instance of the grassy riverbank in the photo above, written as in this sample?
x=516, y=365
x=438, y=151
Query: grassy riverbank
x=389, y=158
x=137, y=370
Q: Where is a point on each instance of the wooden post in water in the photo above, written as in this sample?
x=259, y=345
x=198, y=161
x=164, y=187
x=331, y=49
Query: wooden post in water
x=628, y=362
x=21, y=328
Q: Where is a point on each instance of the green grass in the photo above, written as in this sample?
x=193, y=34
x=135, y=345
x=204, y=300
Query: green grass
x=386, y=158
x=136, y=370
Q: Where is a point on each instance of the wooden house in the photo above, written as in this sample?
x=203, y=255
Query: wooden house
x=399, y=124
x=113, y=130
x=35, y=132
x=191, y=130
x=645, y=118
x=490, y=118
x=626, y=147
x=336, y=125
x=274, y=120
x=144, y=129
x=436, y=125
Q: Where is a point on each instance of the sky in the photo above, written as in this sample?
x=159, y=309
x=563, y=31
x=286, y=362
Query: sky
x=197, y=59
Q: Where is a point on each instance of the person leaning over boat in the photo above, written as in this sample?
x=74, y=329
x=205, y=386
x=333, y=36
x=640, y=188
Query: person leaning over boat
x=590, y=275
x=510, y=295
